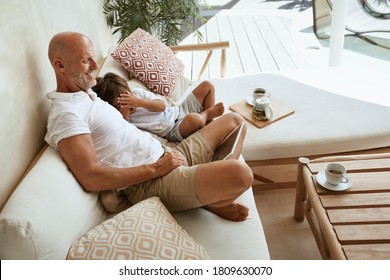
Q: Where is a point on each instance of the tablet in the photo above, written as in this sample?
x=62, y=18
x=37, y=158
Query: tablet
x=229, y=145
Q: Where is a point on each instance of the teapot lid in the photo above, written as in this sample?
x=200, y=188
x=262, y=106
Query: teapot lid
x=263, y=101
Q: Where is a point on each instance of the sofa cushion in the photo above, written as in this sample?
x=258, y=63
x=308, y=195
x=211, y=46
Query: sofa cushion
x=144, y=231
x=47, y=212
x=150, y=61
x=311, y=129
x=111, y=65
x=224, y=239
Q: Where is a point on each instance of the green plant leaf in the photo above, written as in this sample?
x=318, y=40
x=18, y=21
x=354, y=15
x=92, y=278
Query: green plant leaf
x=166, y=19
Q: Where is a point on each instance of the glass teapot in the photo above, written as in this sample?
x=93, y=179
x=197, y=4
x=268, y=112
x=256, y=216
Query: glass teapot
x=262, y=109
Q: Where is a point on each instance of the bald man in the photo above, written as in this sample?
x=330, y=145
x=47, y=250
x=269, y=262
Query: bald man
x=105, y=152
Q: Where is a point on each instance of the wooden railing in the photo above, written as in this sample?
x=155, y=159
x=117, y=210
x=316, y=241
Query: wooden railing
x=209, y=47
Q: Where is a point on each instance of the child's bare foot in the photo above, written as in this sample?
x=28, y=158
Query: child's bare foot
x=233, y=212
x=214, y=111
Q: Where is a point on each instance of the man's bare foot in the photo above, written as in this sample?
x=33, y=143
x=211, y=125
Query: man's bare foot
x=233, y=212
x=214, y=111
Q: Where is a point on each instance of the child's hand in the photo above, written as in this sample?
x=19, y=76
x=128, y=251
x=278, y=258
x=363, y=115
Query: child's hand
x=128, y=100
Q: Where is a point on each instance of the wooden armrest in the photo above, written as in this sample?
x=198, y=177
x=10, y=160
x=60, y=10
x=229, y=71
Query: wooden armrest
x=352, y=157
x=201, y=47
x=206, y=47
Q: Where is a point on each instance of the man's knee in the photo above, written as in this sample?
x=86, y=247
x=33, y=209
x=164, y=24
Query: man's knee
x=244, y=174
x=238, y=118
x=234, y=118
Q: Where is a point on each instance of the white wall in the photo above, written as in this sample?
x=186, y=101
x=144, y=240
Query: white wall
x=26, y=27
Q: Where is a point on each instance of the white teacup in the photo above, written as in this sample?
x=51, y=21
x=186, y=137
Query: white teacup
x=335, y=174
x=259, y=93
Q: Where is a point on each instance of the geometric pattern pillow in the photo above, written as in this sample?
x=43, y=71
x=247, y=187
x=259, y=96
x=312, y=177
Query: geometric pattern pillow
x=145, y=231
x=150, y=61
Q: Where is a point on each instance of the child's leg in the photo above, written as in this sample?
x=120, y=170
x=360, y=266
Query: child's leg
x=205, y=93
x=191, y=123
x=194, y=121
x=213, y=112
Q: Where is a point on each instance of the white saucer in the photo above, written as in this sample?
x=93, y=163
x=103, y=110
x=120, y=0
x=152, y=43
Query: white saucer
x=340, y=187
x=249, y=100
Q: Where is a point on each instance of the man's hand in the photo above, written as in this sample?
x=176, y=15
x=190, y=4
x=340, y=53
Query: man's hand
x=168, y=163
x=79, y=154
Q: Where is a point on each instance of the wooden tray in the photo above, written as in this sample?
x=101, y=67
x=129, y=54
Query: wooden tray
x=280, y=111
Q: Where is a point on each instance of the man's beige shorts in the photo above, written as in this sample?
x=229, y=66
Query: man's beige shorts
x=177, y=189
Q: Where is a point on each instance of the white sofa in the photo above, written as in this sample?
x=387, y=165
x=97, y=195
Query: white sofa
x=49, y=211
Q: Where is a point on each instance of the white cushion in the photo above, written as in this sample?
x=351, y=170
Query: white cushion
x=323, y=122
x=227, y=240
x=47, y=212
x=144, y=231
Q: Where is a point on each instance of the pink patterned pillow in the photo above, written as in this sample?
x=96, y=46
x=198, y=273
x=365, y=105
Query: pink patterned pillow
x=150, y=61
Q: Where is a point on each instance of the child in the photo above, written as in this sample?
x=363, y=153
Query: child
x=148, y=111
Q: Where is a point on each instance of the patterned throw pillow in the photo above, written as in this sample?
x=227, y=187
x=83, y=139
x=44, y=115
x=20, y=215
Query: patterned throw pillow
x=144, y=231
x=150, y=61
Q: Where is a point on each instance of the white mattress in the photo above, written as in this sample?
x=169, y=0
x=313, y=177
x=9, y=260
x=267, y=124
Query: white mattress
x=227, y=240
x=323, y=122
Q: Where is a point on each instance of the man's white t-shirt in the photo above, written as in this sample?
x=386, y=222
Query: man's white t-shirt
x=159, y=123
x=118, y=143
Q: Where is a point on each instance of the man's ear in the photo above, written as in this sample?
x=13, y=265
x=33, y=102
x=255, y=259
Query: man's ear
x=58, y=64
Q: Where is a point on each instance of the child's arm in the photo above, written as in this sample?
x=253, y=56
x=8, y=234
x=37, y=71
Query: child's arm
x=129, y=100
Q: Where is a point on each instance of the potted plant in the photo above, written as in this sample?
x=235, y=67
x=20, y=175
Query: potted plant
x=168, y=20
